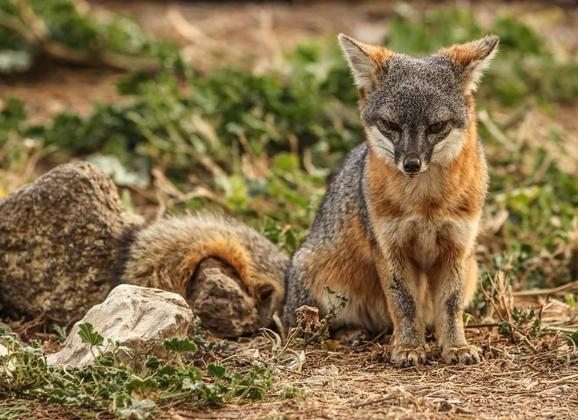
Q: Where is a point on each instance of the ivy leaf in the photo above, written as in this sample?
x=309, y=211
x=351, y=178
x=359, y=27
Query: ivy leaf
x=177, y=345
x=216, y=371
x=89, y=336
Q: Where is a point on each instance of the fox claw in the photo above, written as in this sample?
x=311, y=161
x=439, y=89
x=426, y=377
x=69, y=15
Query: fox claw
x=467, y=355
x=407, y=356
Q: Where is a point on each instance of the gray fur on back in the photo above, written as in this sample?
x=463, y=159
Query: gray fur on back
x=343, y=198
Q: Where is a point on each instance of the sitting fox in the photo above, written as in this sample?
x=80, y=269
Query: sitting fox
x=397, y=228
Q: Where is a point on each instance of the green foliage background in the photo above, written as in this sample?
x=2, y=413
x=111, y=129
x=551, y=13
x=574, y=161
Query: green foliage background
x=264, y=144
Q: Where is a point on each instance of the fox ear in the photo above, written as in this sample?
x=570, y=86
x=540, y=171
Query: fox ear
x=366, y=61
x=471, y=59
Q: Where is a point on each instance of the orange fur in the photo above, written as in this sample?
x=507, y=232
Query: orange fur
x=347, y=267
x=461, y=54
x=166, y=255
x=472, y=58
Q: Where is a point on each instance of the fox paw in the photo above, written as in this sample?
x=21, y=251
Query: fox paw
x=403, y=356
x=467, y=355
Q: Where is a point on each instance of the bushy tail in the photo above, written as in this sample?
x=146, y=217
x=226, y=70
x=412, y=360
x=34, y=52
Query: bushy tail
x=167, y=253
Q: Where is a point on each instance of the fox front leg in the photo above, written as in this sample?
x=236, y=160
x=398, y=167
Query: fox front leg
x=400, y=285
x=452, y=285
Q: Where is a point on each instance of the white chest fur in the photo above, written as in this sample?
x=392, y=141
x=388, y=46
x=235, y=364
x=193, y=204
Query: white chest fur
x=425, y=238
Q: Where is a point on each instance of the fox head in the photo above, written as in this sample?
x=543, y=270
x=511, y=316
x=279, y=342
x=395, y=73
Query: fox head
x=416, y=110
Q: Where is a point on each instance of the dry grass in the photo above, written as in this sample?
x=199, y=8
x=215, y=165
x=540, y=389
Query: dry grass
x=529, y=370
x=531, y=373
x=513, y=381
x=18, y=162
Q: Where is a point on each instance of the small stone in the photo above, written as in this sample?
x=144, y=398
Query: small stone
x=137, y=317
x=308, y=318
x=6, y=367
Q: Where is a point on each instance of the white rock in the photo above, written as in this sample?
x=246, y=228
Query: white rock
x=6, y=367
x=137, y=317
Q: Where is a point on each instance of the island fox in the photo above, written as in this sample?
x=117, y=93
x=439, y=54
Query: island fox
x=397, y=227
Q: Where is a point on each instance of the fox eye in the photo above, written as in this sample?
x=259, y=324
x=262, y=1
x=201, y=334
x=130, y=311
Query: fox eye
x=437, y=127
x=389, y=126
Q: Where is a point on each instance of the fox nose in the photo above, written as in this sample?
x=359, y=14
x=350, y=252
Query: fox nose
x=412, y=164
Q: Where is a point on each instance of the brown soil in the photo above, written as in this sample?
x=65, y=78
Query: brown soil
x=512, y=382
x=538, y=379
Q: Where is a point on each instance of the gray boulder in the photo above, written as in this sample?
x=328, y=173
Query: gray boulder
x=61, y=239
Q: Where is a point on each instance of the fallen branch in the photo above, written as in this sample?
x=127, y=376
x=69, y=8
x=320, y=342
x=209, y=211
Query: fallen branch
x=546, y=292
x=486, y=325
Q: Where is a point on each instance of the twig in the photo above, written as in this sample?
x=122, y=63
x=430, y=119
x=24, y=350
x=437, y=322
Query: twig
x=380, y=400
x=495, y=131
x=486, y=325
x=545, y=292
x=557, y=381
x=187, y=30
x=559, y=329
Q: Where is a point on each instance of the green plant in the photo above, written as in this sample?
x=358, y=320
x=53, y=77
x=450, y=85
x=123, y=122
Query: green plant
x=65, y=30
x=111, y=386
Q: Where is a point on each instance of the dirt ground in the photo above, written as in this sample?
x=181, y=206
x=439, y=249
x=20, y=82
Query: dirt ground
x=514, y=380
x=512, y=383
x=520, y=377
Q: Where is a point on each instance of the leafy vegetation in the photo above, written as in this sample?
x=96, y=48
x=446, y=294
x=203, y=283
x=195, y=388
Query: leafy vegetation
x=118, y=388
x=67, y=31
x=263, y=145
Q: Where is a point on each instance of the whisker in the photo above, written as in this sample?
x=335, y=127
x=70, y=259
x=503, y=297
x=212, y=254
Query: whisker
x=386, y=150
